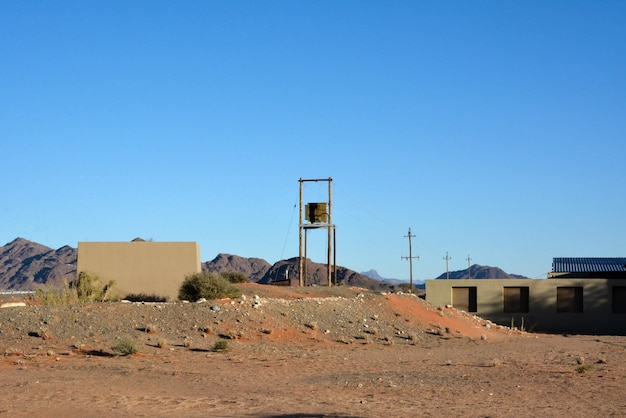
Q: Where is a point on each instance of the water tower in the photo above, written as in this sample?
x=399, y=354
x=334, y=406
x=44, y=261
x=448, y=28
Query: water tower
x=318, y=215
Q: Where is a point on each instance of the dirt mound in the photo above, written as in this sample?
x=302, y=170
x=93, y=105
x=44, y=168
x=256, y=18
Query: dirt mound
x=282, y=315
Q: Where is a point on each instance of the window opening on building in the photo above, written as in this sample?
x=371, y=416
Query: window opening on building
x=569, y=299
x=619, y=299
x=515, y=299
x=464, y=298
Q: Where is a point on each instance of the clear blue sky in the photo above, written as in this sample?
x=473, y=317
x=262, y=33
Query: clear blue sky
x=494, y=129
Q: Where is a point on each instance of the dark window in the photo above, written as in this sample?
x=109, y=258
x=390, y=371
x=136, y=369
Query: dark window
x=515, y=299
x=464, y=298
x=619, y=299
x=569, y=299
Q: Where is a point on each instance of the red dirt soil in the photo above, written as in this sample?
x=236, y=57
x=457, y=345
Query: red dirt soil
x=299, y=352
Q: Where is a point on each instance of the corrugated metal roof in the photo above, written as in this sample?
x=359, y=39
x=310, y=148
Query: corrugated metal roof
x=588, y=265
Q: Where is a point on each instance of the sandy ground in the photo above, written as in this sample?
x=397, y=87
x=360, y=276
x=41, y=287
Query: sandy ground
x=299, y=352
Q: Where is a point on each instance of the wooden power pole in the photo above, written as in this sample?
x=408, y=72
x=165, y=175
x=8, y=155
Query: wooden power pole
x=447, y=258
x=410, y=258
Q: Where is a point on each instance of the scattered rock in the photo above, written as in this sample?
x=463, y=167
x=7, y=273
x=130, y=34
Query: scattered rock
x=12, y=305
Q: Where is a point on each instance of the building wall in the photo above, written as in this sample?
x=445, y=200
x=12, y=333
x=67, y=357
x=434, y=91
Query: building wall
x=141, y=267
x=598, y=303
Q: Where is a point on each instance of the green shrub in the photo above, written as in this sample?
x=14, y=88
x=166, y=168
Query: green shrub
x=220, y=345
x=583, y=368
x=208, y=286
x=235, y=277
x=125, y=347
x=142, y=297
x=89, y=288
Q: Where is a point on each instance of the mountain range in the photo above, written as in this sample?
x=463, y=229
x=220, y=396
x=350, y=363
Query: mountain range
x=27, y=265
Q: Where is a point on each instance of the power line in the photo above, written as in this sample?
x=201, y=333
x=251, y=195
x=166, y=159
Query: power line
x=282, y=254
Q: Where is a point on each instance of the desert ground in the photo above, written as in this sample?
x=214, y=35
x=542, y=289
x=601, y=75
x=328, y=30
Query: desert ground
x=298, y=352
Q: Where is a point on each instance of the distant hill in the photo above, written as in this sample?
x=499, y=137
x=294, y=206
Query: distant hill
x=481, y=272
x=253, y=268
x=26, y=265
x=373, y=274
x=316, y=273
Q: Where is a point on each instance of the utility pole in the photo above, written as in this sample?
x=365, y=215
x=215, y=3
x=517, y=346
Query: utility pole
x=301, y=275
x=469, y=274
x=447, y=269
x=410, y=258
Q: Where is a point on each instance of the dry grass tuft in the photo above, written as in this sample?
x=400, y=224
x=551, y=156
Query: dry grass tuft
x=221, y=345
x=125, y=347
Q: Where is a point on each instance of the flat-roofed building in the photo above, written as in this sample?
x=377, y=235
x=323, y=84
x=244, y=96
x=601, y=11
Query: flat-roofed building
x=152, y=268
x=589, y=301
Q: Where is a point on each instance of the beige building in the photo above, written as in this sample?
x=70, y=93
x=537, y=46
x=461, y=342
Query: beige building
x=578, y=305
x=153, y=268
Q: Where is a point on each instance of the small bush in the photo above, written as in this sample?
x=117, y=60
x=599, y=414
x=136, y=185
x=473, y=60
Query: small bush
x=125, y=347
x=51, y=296
x=142, y=297
x=89, y=288
x=220, y=345
x=208, y=286
x=235, y=277
x=583, y=368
